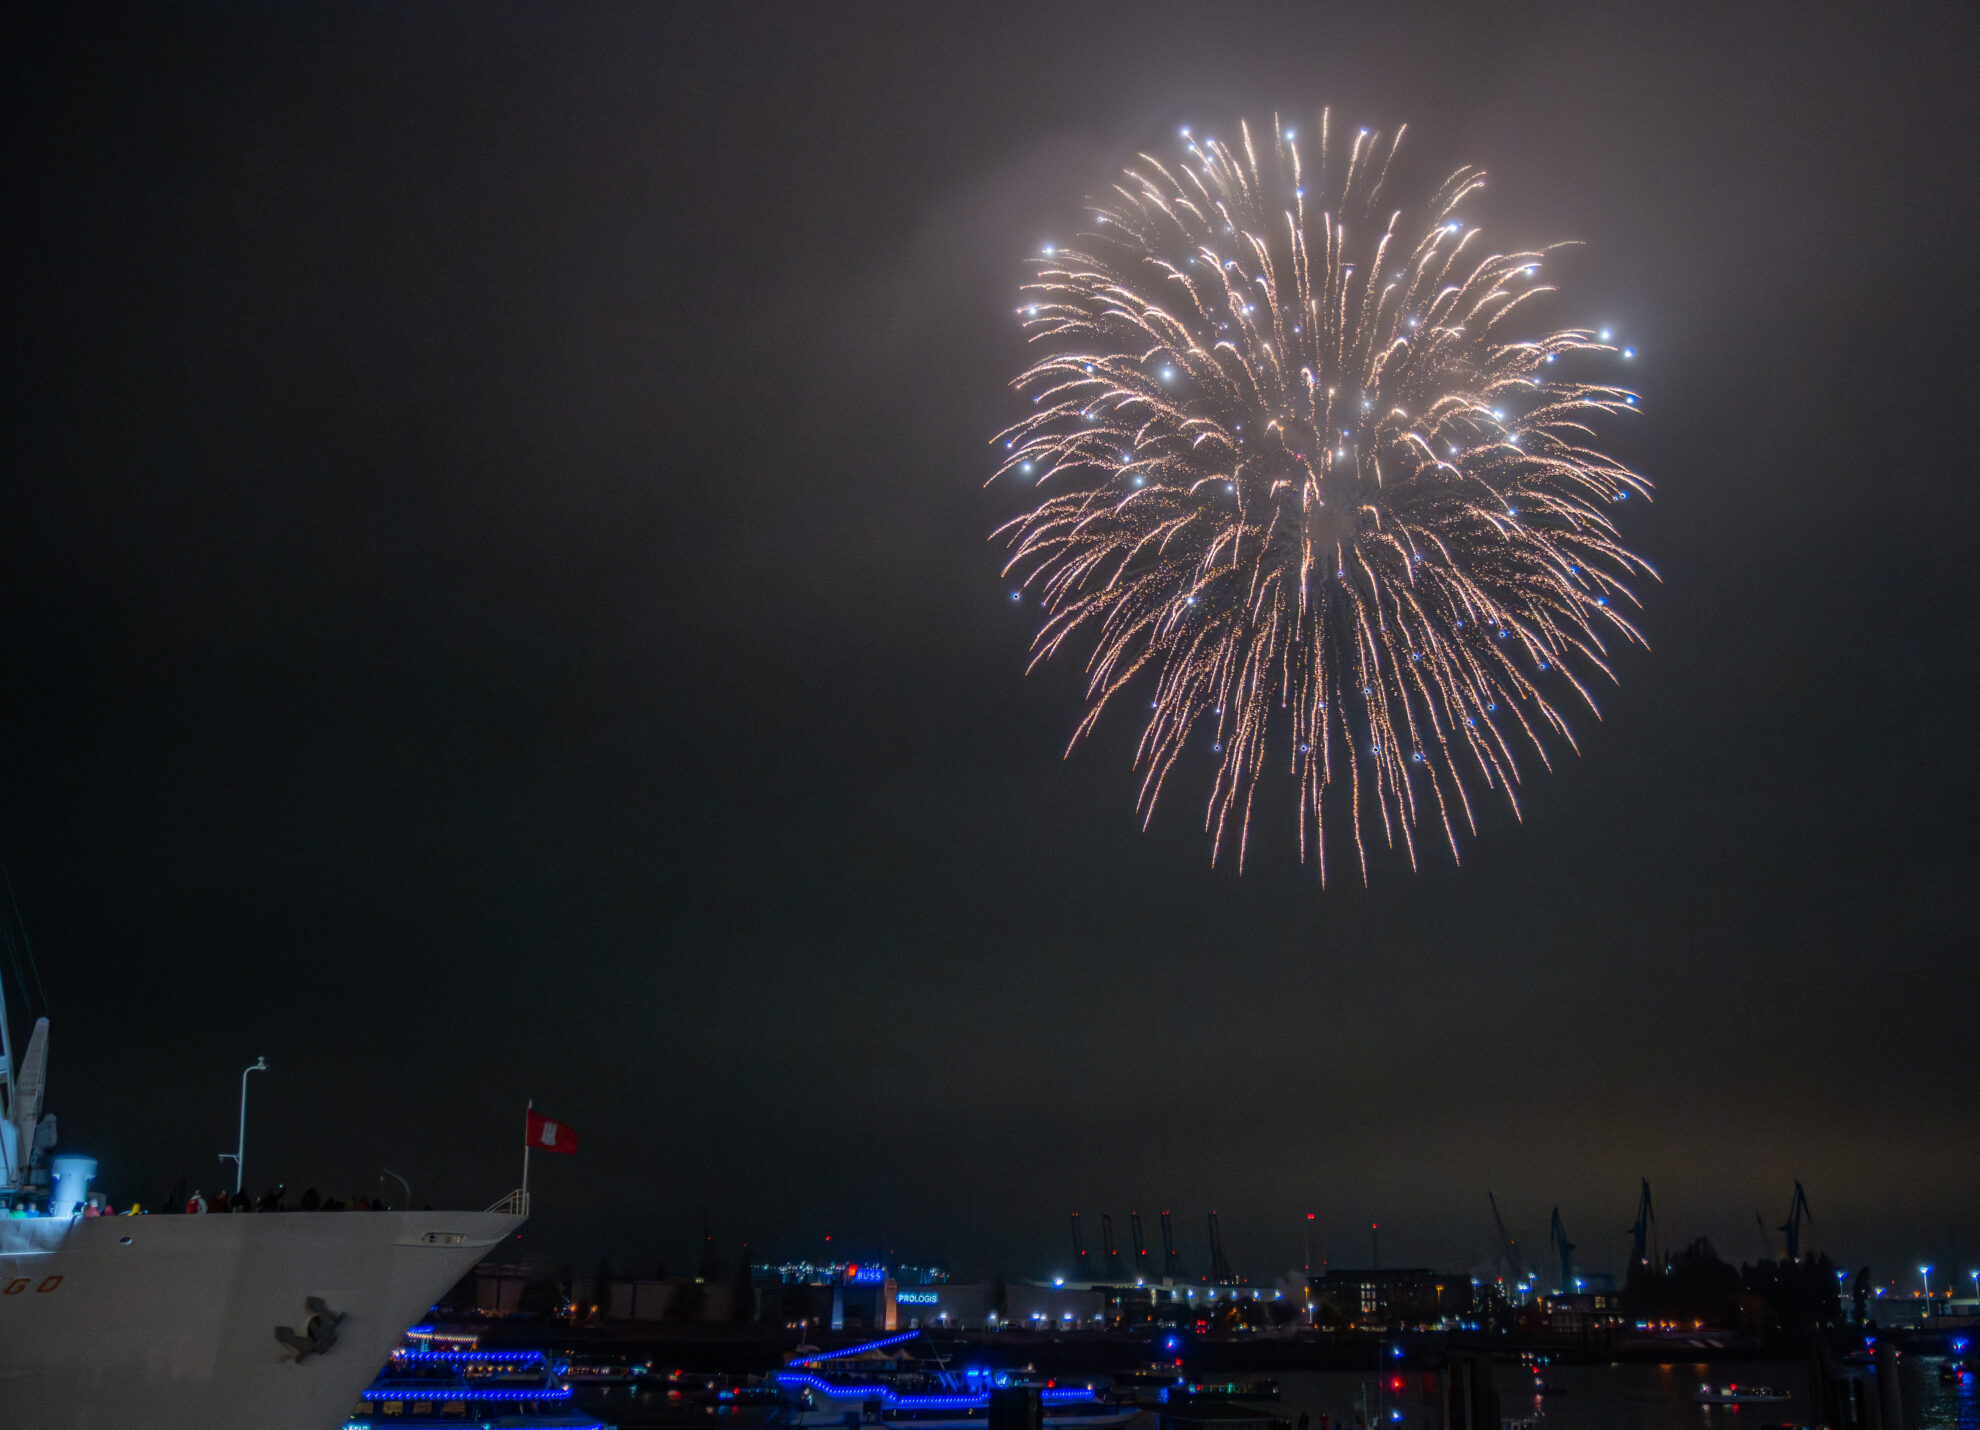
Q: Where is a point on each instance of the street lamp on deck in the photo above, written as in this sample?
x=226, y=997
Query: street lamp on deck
x=239, y=1155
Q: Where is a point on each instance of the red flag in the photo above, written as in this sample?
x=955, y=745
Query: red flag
x=546, y=1134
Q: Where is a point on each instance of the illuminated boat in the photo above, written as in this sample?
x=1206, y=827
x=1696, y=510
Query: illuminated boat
x=860, y=1385
x=607, y=1370
x=1740, y=1395
x=447, y=1382
x=1254, y=1389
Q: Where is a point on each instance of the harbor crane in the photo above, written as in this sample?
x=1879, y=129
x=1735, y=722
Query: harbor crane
x=1171, y=1263
x=1079, y=1250
x=1140, y=1246
x=1564, y=1249
x=1766, y=1237
x=1797, y=1214
x=1508, y=1251
x=1644, y=1234
x=1220, y=1268
x=1114, y=1271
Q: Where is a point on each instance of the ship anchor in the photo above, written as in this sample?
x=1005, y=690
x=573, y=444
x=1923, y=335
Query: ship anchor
x=318, y=1335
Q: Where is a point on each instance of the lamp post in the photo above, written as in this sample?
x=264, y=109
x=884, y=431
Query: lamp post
x=239, y=1154
x=1925, y=1275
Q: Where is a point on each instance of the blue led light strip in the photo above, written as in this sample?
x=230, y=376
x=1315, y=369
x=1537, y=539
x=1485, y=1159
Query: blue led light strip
x=468, y=1357
x=837, y=1392
x=449, y=1392
x=373, y=1425
x=859, y=1350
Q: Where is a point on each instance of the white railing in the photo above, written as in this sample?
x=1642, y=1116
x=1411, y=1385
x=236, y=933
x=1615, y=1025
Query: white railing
x=514, y=1204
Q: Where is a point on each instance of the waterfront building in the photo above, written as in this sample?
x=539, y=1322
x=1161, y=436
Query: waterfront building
x=1381, y=1298
x=1583, y=1311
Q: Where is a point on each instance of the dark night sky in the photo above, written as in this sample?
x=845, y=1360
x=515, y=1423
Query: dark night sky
x=496, y=604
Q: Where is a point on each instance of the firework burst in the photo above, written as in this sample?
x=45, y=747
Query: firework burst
x=1301, y=484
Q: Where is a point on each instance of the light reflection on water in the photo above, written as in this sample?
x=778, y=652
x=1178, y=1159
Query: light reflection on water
x=1597, y=1397
x=1649, y=1397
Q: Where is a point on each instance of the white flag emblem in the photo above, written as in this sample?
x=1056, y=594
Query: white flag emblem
x=549, y=1133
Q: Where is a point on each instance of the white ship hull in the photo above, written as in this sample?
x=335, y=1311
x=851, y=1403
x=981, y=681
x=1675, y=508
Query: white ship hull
x=168, y=1322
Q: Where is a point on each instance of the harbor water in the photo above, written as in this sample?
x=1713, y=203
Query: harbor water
x=1591, y=1397
x=1648, y=1397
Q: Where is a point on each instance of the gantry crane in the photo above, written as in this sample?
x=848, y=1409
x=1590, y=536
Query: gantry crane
x=1220, y=1267
x=1797, y=1214
x=1171, y=1263
x=1114, y=1272
x=1644, y=1234
x=1508, y=1255
x=1564, y=1249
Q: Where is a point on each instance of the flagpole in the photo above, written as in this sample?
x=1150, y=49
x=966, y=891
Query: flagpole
x=529, y=1107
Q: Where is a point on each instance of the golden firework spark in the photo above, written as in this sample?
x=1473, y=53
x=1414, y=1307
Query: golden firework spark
x=1302, y=485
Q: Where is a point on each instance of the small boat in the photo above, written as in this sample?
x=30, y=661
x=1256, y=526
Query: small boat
x=1739, y=1395
x=878, y=1384
x=604, y=1371
x=1154, y=1376
x=911, y=1402
x=1255, y=1389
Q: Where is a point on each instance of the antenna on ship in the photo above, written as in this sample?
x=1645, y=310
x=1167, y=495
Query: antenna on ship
x=17, y=924
x=6, y=1092
x=22, y=1082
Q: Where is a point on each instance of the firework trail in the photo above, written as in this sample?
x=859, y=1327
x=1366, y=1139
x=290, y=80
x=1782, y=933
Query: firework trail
x=1300, y=485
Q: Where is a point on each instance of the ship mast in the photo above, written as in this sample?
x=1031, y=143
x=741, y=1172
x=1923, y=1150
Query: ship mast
x=8, y=1181
x=20, y=1086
